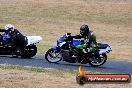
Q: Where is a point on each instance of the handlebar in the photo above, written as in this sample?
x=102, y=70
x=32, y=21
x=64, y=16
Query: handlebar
x=3, y=30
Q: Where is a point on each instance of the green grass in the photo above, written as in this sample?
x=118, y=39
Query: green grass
x=36, y=69
x=42, y=70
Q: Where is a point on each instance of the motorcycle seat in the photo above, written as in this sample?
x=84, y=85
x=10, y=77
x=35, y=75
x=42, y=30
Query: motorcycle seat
x=102, y=46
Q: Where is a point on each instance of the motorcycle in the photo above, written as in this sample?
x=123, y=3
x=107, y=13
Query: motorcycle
x=66, y=50
x=29, y=51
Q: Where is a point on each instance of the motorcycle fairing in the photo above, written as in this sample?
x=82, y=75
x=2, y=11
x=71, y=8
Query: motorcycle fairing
x=32, y=40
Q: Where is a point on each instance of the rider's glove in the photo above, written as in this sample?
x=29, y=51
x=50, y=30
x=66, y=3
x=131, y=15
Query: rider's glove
x=88, y=49
x=84, y=51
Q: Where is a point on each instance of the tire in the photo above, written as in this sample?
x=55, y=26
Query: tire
x=99, y=64
x=29, y=52
x=52, y=58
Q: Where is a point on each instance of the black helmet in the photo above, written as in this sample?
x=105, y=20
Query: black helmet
x=84, y=29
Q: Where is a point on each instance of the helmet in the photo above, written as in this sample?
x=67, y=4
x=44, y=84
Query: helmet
x=9, y=27
x=84, y=29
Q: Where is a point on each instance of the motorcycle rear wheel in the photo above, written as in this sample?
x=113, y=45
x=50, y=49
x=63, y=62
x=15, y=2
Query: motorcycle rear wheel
x=29, y=52
x=95, y=62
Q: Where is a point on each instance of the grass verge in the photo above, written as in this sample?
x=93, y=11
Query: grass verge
x=42, y=70
x=43, y=48
x=36, y=69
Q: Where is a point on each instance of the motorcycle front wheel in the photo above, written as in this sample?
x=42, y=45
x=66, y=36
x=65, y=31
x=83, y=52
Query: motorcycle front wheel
x=53, y=56
x=98, y=61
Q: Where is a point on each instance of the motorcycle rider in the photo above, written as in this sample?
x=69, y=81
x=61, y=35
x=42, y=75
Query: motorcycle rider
x=90, y=45
x=18, y=41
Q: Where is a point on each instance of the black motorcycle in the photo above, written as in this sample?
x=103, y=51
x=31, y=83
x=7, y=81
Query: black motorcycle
x=29, y=51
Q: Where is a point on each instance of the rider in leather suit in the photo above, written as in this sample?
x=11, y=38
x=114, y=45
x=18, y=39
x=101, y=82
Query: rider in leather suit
x=90, y=44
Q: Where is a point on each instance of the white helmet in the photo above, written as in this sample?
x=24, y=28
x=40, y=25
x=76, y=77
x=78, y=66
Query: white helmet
x=9, y=26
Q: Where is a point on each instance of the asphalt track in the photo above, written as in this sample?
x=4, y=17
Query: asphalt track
x=111, y=66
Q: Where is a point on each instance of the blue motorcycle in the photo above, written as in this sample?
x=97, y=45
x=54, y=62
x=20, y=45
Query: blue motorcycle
x=66, y=50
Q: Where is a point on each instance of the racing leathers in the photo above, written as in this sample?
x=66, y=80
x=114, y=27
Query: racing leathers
x=89, y=45
x=18, y=40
